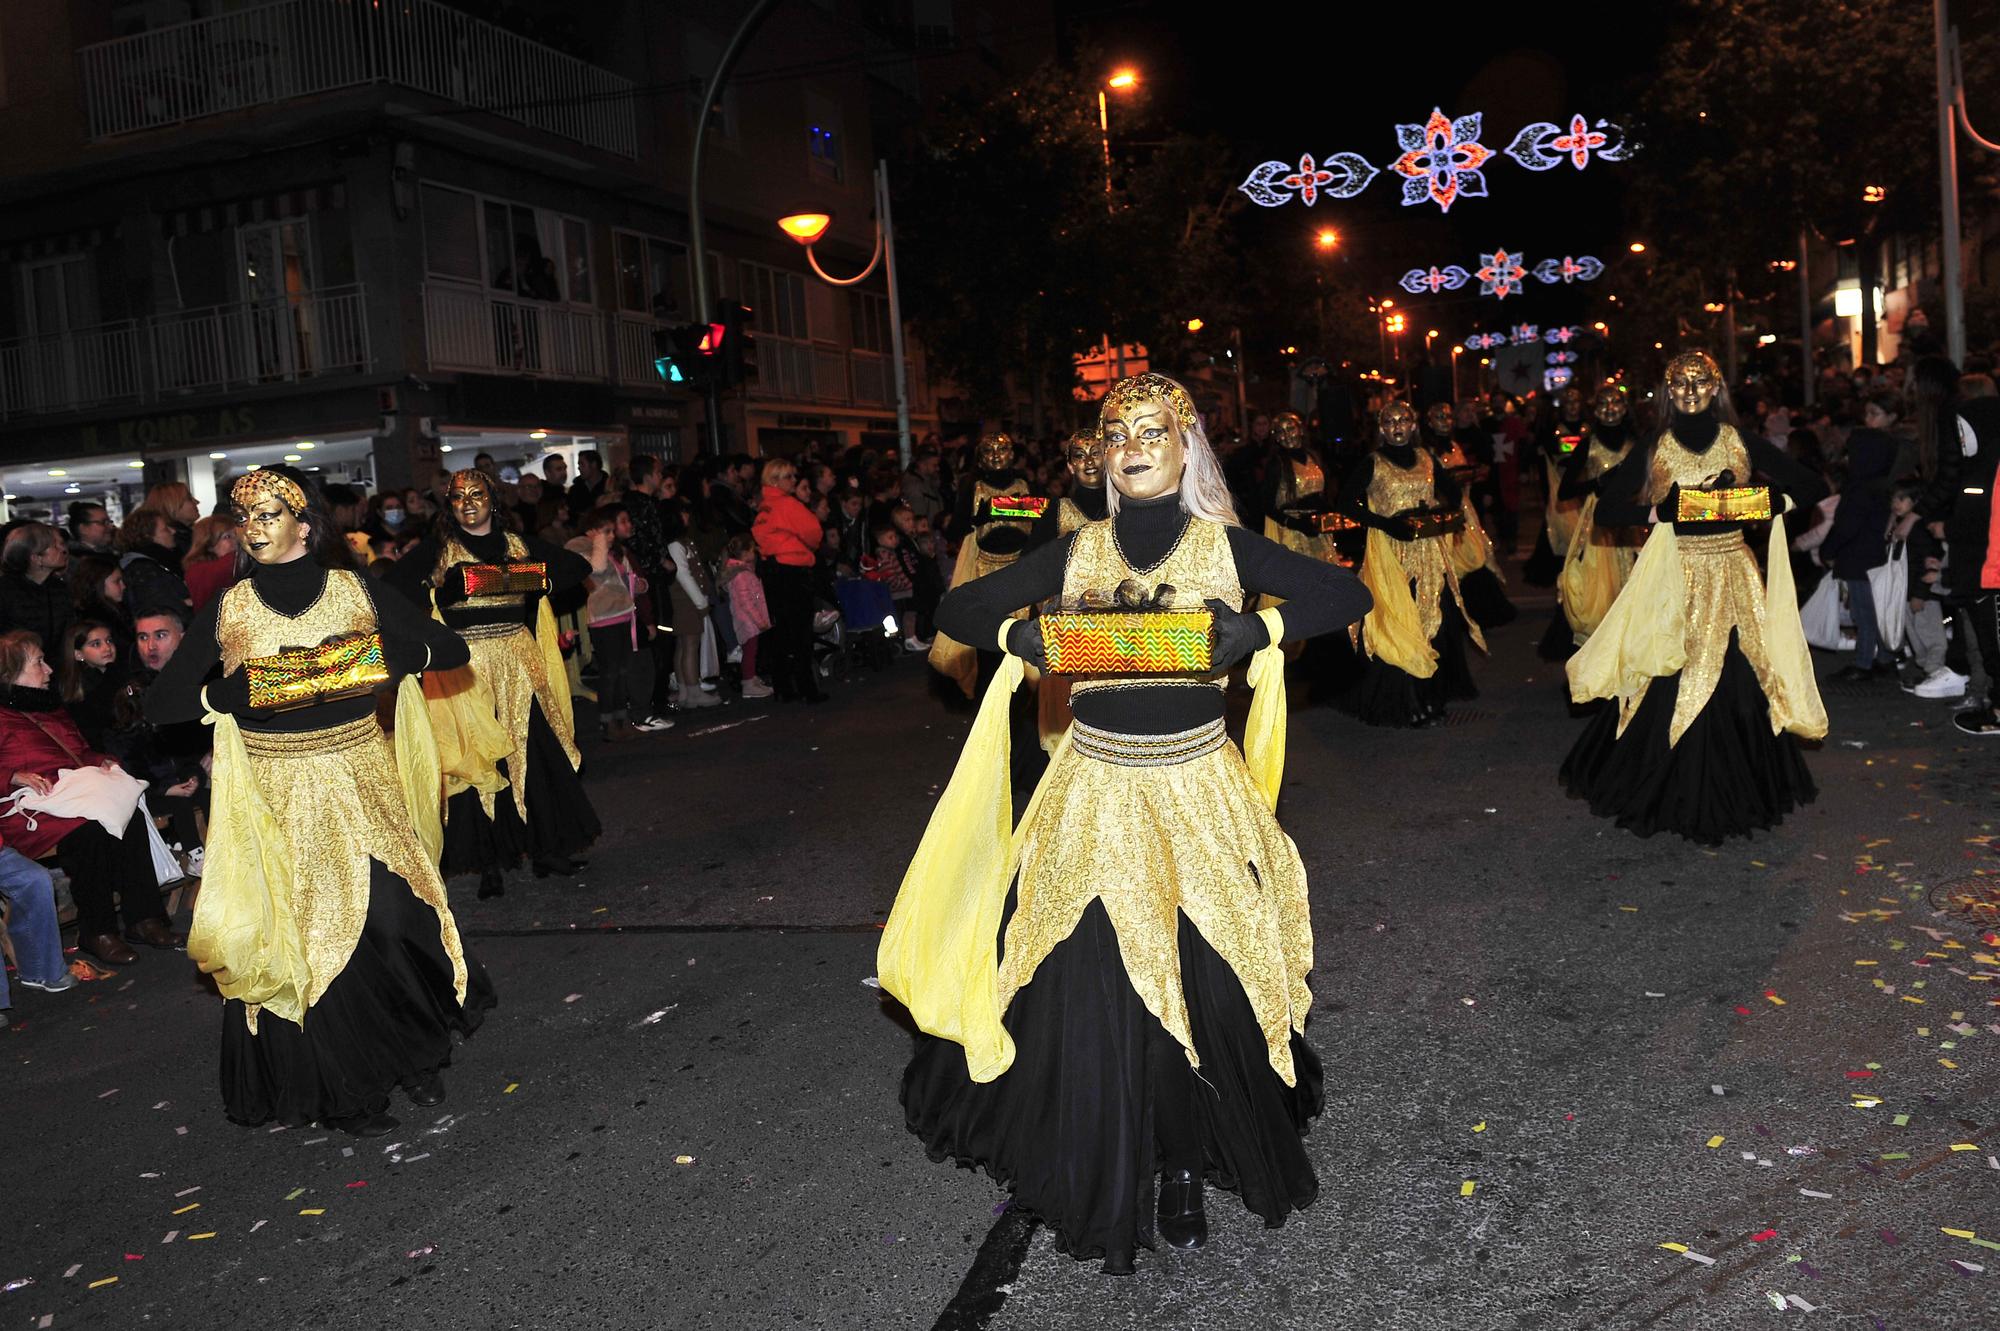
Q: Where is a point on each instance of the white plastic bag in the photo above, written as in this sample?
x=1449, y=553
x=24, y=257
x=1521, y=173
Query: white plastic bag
x=1890, y=583
x=106, y=796
x=1820, y=615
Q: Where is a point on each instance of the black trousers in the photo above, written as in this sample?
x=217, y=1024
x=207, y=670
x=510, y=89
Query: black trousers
x=788, y=594
x=1982, y=617
x=105, y=870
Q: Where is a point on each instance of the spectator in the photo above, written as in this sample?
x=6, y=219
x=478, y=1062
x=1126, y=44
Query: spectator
x=483, y=460
x=850, y=529
x=749, y=615
x=38, y=741
x=896, y=568
x=159, y=632
x=91, y=531
x=33, y=594
x=419, y=507
x=1856, y=541
x=151, y=565
x=555, y=477
x=788, y=538
x=343, y=505
x=91, y=677
x=612, y=615
x=1923, y=555
x=588, y=491
x=923, y=488
x=176, y=502
x=97, y=592
x=528, y=502
x=387, y=519
x=30, y=895
x=692, y=593
x=108, y=704
x=729, y=495
x=1965, y=532
x=211, y=560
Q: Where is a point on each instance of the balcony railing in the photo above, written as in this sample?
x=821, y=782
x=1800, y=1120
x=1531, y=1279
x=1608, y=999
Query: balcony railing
x=187, y=353
x=632, y=337
x=468, y=329
x=296, y=48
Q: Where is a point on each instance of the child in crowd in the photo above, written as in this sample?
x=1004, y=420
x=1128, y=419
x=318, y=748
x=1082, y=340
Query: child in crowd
x=1930, y=677
x=894, y=565
x=748, y=614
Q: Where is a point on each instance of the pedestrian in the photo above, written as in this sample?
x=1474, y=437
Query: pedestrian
x=612, y=617
x=788, y=538
x=30, y=895
x=151, y=564
x=1910, y=539
x=749, y=614
x=211, y=559
x=1856, y=542
x=691, y=594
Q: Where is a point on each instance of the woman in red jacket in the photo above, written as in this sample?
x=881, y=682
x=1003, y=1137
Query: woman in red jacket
x=787, y=536
x=38, y=740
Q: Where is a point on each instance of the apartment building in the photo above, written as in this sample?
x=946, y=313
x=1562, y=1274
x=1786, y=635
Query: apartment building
x=377, y=236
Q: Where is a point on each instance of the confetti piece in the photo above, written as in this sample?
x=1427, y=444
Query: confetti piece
x=113, y=1091
x=1970, y=1268
x=1773, y=996
x=359, y=1183
x=1697, y=1257
x=180, y=1132
x=1823, y=1196
x=512, y=1086
x=1777, y=1300
x=1964, y=1146
x=1651, y=994
x=191, y=1206
x=1895, y=1155
x=188, y=1192
x=100, y=1284
x=1715, y=1089
x=572, y=998
x=413, y=1159
x=1801, y=1304
x=13, y=1285
x=1466, y=1188
x=196, y=1238
x=1480, y=1126
x=1716, y=1141
x=1634, y=910
x=259, y=1225
x=314, y=1210
x=1867, y=963
x=1912, y=998
x=1675, y=1247
x=295, y=1194
x=71, y=1273
x=1948, y=1063
x=424, y=1251
x=1763, y=1235
x=1901, y=1120
x=1984, y=1243
x=170, y=1236
x=683, y=1159
x=1956, y=1233
x=1862, y=1073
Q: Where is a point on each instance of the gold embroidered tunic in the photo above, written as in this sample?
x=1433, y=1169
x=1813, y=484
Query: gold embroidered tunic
x=336, y=792
x=1427, y=559
x=985, y=561
x=1302, y=482
x=1153, y=838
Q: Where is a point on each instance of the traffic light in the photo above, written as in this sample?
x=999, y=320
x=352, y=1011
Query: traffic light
x=739, y=346
x=689, y=354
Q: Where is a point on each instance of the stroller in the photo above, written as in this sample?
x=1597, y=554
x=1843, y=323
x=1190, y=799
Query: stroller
x=869, y=628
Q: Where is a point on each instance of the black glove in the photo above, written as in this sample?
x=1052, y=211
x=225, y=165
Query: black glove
x=230, y=695
x=1669, y=508
x=452, y=590
x=405, y=656
x=1025, y=641
x=1236, y=635
x=1400, y=527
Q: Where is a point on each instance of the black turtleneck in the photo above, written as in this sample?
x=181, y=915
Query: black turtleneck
x=1576, y=482
x=1353, y=499
x=412, y=576
x=1621, y=492
x=411, y=641
x=1089, y=500
x=1319, y=598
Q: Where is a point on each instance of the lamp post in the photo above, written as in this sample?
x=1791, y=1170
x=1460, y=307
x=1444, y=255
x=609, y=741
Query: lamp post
x=1457, y=350
x=1122, y=80
x=807, y=228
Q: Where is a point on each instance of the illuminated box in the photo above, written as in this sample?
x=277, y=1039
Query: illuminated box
x=1129, y=642
x=1566, y=443
x=1743, y=503
x=1002, y=508
x=506, y=579
x=341, y=668
x=1438, y=523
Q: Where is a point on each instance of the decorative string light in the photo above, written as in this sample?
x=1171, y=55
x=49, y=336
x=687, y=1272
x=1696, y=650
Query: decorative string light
x=1500, y=274
x=1567, y=270
x=1442, y=161
x=1451, y=278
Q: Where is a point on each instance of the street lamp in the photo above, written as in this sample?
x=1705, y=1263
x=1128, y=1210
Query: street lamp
x=1327, y=238
x=1122, y=81
x=807, y=228
x=1195, y=325
x=1637, y=247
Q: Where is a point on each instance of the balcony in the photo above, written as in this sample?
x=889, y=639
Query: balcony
x=467, y=329
x=298, y=48
x=187, y=353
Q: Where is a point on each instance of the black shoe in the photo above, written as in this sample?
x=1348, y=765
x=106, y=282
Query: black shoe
x=561, y=866
x=492, y=883
x=1183, y=1223
x=1118, y=1263
x=1981, y=722
x=426, y=1091
x=377, y=1124
x=1852, y=674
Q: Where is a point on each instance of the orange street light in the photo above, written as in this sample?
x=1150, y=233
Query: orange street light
x=1194, y=325
x=1327, y=238
x=805, y=228
x=1601, y=326
x=1637, y=247
x=1124, y=78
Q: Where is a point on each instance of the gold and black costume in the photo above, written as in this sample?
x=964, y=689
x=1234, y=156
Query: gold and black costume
x=1704, y=661
x=1481, y=583
x=322, y=915
x=987, y=544
x=1148, y=1000
x=1601, y=555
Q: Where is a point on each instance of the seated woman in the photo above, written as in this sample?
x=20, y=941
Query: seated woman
x=38, y=742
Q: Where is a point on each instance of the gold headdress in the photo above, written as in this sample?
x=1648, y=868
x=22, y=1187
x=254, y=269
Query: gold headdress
x=461, y=479
x=1150, y=388
x=1694, y=362
x=264, y=483
x=1088, y=441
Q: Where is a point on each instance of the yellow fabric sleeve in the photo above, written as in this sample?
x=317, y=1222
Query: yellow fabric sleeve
x=1392, y=631
x=1644, y=634
x=1796, y=704
x=1588, y=584
x=1561, y=521
x=549, y=638
x=245, y=934
x=1264, y=731
x=948, y=656
x=466, y=725
x=939, y=953
x=418, y=767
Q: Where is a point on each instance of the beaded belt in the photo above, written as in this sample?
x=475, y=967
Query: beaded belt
x=1108, y=746
x=474, y=631
x=351, y=734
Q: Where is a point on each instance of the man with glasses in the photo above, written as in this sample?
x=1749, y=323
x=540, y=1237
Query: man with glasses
x=91, y=531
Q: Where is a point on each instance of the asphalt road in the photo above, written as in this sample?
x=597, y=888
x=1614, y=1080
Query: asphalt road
x=1552, y=1049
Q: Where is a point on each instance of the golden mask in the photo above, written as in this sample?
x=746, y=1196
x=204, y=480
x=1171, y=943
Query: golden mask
x=1610, y=406
x=471, y=498
x=1571, y=403
x=996, y=451
x=1144, y=447
x=1085, y=455
x=1692, y=381
x=1398, y=423
x=1289, y=430
x=1149, y=387
x=1440, y=417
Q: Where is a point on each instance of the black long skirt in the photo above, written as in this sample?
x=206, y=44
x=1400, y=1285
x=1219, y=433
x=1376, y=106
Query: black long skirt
x=1071, y=1128
x=386, y=1019
x=1729, y=775
x=1388, y=695
x=560, y=818
x=1558, y=640
x=1486, y=601
x=1543, y=566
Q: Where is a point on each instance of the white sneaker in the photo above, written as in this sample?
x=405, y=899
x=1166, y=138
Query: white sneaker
x=735, y=656
x=653, y=723
x=915, y=645
x=62, y=984
x=1943, y=683
x=696, y=698
x=757, y=688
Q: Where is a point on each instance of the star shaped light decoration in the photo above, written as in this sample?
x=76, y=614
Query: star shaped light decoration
x=1500, y=274
x=1441, y=160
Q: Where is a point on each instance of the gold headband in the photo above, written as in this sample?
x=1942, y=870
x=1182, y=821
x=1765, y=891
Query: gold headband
x=461, y=479
x=263, y=483
x=1690, y=362
x=1150, y=388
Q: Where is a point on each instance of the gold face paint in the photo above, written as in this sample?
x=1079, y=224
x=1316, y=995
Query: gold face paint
x=996, y=452
x=471, y=500
x=1572, y=403
x=1288, y=430
x=1693, y=379
x=1143, y=446
x=1149, y=387
x=272, y=533
x=1440, y=417
x=1398, y=422
x=1611, y=406
x=1085, y=455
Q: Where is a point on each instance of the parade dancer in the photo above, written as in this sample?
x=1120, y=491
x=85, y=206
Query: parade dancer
x=1414, y=638
x=1146, y=1010
x=1554, y=442
x=1706, y=660
x=505, y=725
x=1296, y=495
x=988, y=542
x=1084, y=456
x=322, y=917
x=1465, y=452
x=1600, y=555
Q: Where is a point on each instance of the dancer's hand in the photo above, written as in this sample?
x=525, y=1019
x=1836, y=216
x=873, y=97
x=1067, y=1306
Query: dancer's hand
x=1236, y=635
x=452, y=590
x=230, y=695
x=1025, y=641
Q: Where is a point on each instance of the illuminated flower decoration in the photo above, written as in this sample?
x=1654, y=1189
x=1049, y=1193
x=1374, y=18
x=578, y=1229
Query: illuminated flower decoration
x=1500, y=274
x=1418, y=282
x=1555, y=337
x=1561, y=358
x=1340, y=176
x=1486, y=341
x=1526, y=333
x=1567, y=270
x=1544, y=147
x=1556, y=377
x=1441, y=160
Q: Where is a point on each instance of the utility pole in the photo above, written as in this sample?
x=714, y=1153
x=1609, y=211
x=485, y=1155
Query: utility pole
x=1947, y=81
x=1806, y=319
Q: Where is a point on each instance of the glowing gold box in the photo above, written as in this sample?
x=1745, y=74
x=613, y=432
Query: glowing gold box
x=1005, y=507
x=1743, y=503
x=506, y=579
x=338, y=668
x=1438, y=524
x=1129, y=642
x=1566, y=443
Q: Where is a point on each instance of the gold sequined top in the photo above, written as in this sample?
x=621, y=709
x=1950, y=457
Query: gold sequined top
x=246, y=628
x=1069, y=517
x=1199, y=567
x=1427, y=560
x=1300, y=480
x=1600, y=458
